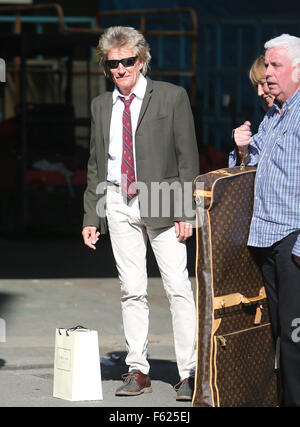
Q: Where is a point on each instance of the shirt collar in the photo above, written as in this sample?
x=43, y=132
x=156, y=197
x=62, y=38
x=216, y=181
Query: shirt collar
x=293, y=99
x=289, y=103
x=139, y=90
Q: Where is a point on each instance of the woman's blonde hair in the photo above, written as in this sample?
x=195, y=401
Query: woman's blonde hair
x=257, y=70
x=123, y=36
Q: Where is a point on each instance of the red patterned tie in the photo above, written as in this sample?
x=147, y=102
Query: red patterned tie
x=127, y=167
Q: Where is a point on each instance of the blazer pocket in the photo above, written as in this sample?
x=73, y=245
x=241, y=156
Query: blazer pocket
x=158, y=118
x=171, y=173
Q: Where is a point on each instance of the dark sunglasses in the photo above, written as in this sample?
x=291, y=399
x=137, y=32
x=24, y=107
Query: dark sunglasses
x=126, y=62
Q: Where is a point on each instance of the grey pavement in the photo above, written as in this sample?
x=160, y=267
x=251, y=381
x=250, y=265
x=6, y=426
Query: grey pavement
x=32, y=310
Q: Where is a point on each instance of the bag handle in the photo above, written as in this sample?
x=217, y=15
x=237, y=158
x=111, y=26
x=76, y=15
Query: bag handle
x=237, y=298
x=72, y=329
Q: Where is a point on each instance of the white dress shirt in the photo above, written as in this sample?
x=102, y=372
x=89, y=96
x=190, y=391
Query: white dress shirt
x=116, y=128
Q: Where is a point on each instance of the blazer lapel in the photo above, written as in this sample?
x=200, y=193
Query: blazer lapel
x=106, y=111
x=146, y=100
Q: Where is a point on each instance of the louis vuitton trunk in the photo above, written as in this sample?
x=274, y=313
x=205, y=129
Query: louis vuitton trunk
x=235, y=349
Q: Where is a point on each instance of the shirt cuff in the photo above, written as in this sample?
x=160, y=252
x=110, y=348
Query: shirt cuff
x=253, y=157
x=296, y=248
x=232, y=159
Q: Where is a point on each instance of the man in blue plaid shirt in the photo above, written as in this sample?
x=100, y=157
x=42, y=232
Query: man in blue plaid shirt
x=274, y=236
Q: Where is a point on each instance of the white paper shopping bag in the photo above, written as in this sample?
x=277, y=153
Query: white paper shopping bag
x=77, y=374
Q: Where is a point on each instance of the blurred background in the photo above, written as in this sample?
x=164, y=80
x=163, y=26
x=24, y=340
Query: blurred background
x=51, y=76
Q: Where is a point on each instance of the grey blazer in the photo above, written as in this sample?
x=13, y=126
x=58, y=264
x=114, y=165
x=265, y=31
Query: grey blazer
x=165, y=147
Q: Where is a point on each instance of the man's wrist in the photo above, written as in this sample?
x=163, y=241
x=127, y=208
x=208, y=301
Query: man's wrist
x=243, y=155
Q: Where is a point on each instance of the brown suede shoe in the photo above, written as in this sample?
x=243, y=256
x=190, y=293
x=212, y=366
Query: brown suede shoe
x=185, y=389
x=134, y=383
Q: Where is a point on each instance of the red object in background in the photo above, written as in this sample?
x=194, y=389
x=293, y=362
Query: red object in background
x=9, y=132
x=38, y=178
x=212, y=159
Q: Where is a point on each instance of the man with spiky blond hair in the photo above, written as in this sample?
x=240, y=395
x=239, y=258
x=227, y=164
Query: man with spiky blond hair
x=143, y=133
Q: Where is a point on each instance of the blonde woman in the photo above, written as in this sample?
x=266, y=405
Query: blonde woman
x=258, y=80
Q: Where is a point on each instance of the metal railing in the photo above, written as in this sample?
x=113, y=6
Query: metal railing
x=19, y=10
x=214, y=54
x=187, y=66
x=145, y=17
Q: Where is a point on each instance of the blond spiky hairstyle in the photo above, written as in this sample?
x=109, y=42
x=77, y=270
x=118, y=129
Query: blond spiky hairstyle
x=123, y=36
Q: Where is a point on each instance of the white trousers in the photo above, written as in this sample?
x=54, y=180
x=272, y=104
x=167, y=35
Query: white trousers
x=129, y=236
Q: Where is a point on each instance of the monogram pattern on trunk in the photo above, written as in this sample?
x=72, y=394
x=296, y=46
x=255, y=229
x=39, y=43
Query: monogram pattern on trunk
x=235, y=355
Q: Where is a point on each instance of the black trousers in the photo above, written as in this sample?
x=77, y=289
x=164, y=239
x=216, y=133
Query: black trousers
x=282, y=283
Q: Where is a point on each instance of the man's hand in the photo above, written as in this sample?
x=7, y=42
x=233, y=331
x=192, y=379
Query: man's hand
x=243, y=136
x=90, y=236
x=297, y=259
x=183, y=230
